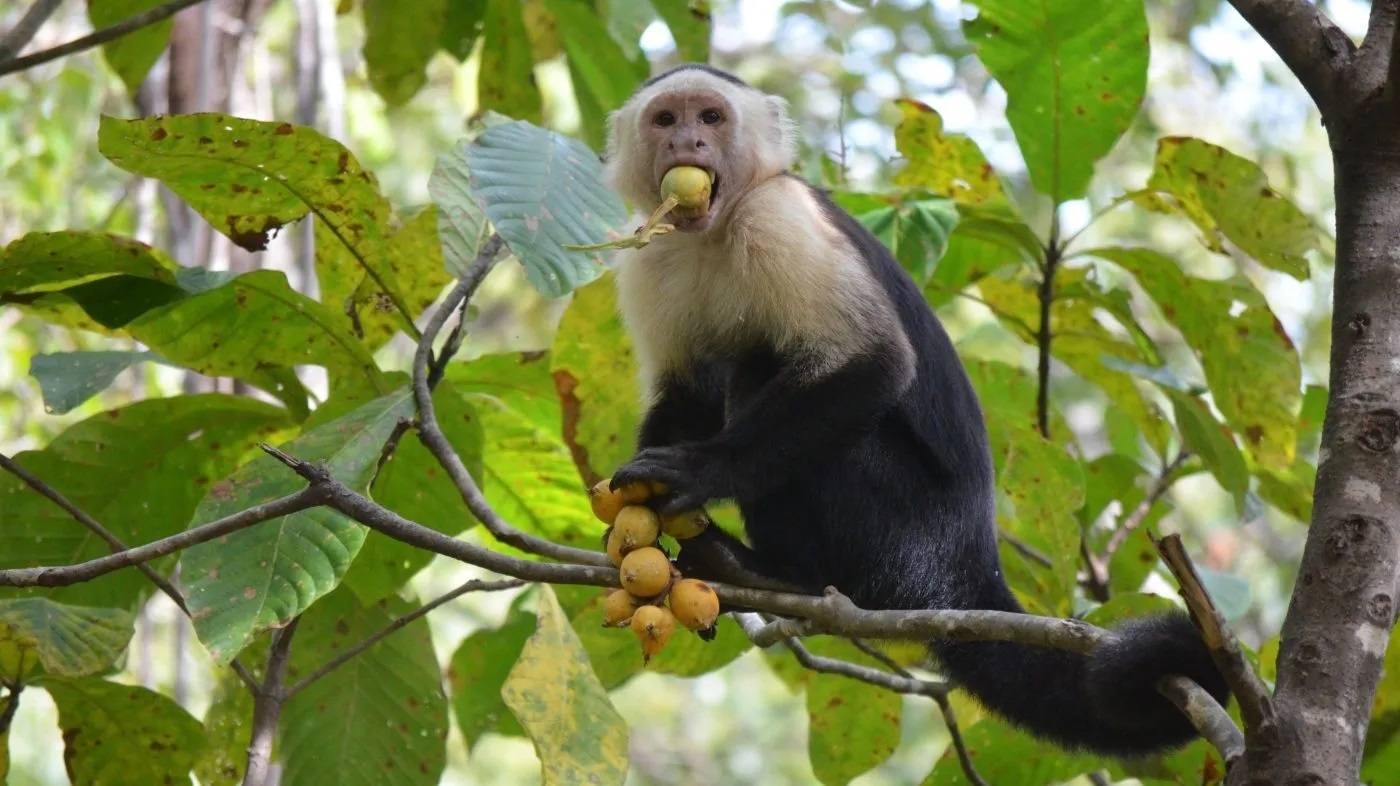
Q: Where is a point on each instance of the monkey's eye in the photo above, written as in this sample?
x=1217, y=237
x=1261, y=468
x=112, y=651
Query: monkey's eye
x=710, y=116
x=665, y=118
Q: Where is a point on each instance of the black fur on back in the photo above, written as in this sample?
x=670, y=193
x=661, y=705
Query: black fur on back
x=905, y=519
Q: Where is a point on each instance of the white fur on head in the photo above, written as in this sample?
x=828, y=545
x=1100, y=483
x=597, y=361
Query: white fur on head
x=762, y=125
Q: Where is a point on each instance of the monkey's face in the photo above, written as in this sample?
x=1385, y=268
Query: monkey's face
x=692, y=128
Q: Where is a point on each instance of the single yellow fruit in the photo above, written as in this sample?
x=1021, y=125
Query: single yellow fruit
x=653, y=626
x=636, y=526
x=646, y=572
x=618, y=609
x=690, y=186
x=635, y=493
x=606, y=502
x=695, y=604
x=685, y=525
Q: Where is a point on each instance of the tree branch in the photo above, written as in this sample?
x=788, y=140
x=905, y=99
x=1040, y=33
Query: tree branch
x=48, y=576
x=1154, y=493
x=1382, y=42
x=1206, y=714
x=19, y=36
x=1256, y=705
x=430, y=433
x=115, y=543
x=106, y=34
x=475, y=585
x=267, y=707
x=1312, y=47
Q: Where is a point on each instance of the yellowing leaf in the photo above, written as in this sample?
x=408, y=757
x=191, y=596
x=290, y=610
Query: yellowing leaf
x=578, y=734
x=949, y=165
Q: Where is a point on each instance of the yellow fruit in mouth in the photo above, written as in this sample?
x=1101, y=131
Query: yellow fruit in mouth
x=691, y=188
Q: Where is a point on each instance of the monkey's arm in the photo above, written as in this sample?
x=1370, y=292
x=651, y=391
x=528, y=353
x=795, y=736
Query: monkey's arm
x=685, y=410
x=792, y=422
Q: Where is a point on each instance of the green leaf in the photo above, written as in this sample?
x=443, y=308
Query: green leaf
x=462, y=227
x=68, y=379
x=1249, y=361
x=506, y=76
x=263, y=576
x=853, y=726
x=115, y=733
x=914, y=229
x=248, y=324
x=952, y=166
x=1229, y=197
x=479, y=669
x=381, y=717
x=1231, y=593
x=395, y=56
x=227, y=731
x=690, y=28
x=139, y=470
x=69, y=641
x=1004, y=754
x=54, y=261
x=461, y=27
x=541, y=191
x=983, y=242
x=412, y=484
x=1209, y=439
x=1045, y=486
x=133, y=54
x=596, y=374
x=578, y=734
x=1074, y=72
x=603, y=69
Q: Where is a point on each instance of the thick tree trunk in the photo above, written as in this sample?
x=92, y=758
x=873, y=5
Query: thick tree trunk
x=1343, y=606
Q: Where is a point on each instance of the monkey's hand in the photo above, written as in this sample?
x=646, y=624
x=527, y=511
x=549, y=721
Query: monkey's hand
x=692, y=474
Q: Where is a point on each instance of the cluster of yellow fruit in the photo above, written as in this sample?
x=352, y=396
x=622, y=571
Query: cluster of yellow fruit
x=654, y=595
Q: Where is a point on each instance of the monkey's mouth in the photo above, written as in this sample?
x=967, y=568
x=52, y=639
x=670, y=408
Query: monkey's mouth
x=696, y=221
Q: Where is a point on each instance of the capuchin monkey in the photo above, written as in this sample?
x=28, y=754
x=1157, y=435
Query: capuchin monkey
x=790, y=364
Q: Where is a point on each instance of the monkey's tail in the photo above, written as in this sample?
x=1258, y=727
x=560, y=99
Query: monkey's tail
x=1105, y=702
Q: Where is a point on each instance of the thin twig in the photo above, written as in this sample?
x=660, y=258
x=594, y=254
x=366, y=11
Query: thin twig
x=1155, y=492
x=66, y=575
x=430, y=433
x=1256, y=704
x=950, y=720
x=19, y=36
x=1206, y=714
x=475, y=585
x=12, y=692
x=267, y=707
x=878, y=654
x=115, y=543
x=1044, y=336
x=1026, y=550
x=98, y=38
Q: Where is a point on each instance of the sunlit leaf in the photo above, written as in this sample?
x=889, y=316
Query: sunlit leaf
x=853, y=726
x=381, y=717
x=139, y=470
x=689, y=29
x=461, y=27
x=394, y=53
x=53, y=261
x=1229, y=197
x=596, y=375
x=1208, y=438
x=950, y=165
x=68, y=641
x=542, y=190
x=1249, y=361
x=114, y=733
x=263, y=576
x=1074, y=72
x=578, y=734
x=603, y=69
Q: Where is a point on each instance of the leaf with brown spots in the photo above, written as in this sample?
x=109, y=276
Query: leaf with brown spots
x=1253, y=371
x=578, y=734
x=1229, y=197
x=853, y=726
x=263, y=576
x=140, y=470
x=1074, y=71
x=66, y=641
x=115, y=733
x=378, y=720
x=950, y=165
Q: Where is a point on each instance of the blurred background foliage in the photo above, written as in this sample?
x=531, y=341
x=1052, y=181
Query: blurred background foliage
x=841, y=65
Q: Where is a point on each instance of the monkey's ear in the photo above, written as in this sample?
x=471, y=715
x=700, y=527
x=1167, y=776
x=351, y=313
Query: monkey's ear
x=782, y=132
